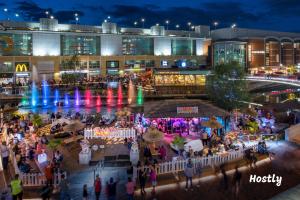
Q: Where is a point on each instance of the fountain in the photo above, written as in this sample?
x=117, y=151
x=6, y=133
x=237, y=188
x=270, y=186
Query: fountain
x=24, y=101
x=120, y=94
x=45, y=90
x=34, y=95
x=98, y=100
x=131, y=93
x=88, y=97
x=77, y=97
x=56, y=97
x=109, y=100
x=140, y=99
x=66, y=102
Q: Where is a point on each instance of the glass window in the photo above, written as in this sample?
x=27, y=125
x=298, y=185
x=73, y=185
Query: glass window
x=80, y=45
x=94, y=64
x=228, y=52
x=137, y=46
x=6, y=67
x=15, y=44
x=183, y=47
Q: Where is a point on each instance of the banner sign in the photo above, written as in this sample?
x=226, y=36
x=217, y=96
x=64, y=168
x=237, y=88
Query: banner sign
x=187, y=110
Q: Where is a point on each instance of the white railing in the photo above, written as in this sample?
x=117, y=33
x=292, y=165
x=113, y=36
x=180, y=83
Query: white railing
x=179, y=165
x=122, y=133
x=34, y=179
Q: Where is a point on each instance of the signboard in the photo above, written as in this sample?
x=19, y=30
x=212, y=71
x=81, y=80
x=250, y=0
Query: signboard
x=187, y=110
x=22, y=66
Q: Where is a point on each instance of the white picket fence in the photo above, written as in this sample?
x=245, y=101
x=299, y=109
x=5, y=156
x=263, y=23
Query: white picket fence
x=120, y=133
x=34, y=179
x=179, y=165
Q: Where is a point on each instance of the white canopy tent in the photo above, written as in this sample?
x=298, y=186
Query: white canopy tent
x=292, y=134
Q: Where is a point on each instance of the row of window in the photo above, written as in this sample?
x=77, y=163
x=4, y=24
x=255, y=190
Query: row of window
x=21, y=45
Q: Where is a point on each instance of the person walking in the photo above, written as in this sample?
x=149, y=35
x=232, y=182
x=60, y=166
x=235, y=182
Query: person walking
x=225, y=177
x=49, y=174
x=4, y=154
x=142, y=180
x=85, y=193
x=130, y=189
x=237, y=181
x=112, y=189
x=16, y=188
x=64, y=188
x=97, y=186
x=153, y=178
x=189, y=172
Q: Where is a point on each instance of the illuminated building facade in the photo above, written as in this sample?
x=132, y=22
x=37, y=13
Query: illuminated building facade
x=256, y=49
x=47, y=47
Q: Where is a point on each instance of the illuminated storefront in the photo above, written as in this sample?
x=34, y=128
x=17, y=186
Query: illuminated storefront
x=179, y=78
x=183, y=47
x=22, y=72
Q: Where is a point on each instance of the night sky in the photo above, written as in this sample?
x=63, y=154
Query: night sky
x=280, y=15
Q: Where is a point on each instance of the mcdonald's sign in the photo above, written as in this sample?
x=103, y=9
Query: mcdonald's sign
x=22, y=66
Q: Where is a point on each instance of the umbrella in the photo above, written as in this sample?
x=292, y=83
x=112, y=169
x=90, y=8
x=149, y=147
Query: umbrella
x=74, y=127
x=212, y=123
x=153, y=135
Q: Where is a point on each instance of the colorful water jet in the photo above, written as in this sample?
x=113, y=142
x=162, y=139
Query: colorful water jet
x=98, y=100
x=120, y=95
x=109, y=99
x=66, y=101
x=56, y=97
x=140, y=98
x=77, y=97
x=88, y=97
x=45, y=90
x=131, y=93
x=34, y=95
x=25, y=98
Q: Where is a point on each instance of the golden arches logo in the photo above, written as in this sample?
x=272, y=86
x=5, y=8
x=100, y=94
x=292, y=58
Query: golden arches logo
x=21, y=68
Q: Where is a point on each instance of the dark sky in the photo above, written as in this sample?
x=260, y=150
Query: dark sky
x=281, y=15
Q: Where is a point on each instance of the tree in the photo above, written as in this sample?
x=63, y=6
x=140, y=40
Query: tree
x=37, y=120
x=227, y=86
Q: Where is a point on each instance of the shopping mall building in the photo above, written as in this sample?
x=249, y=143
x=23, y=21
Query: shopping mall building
x=37, y=50
x=256, y=49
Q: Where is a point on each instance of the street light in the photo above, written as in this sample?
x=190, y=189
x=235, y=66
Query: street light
x=177, y=26
x=105, y=20
x=216, y=24
x=189, y=24
x=47, y=13
x=143, y=21
x=157, y=24
x=51, y=17
x=167, y=22
x=108, y=17
x=135, y=23
x=17, y=15
x=77, y=19
x=5, y=9
x=233, y=25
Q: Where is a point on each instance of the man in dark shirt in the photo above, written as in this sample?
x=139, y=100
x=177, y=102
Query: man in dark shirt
x=112, y=189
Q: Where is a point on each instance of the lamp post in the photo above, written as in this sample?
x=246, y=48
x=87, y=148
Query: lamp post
x=47, y=13
x=167, y=22
x=143, y=21
x=216, y=24
x=77, y=19
x=233, y=25
x=51, y=17
x=6, y=13
x=135, y=23
x=189, y=24
x=177, y=26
